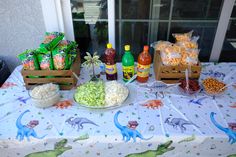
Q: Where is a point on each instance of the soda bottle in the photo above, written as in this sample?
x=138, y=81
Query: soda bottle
x=110, y=63
x=127, y=64
x=144, y=63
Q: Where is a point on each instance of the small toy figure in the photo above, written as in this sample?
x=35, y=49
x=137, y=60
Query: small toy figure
x=33, y=123
x=132, y=124
x=232, y=126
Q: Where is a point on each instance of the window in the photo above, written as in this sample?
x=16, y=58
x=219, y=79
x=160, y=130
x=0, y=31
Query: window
x=228, y=52
x=141, y=22
x=92, y=23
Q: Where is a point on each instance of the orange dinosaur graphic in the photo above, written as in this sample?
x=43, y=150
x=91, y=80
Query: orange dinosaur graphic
x=233, y=105
x=63, y=104
x=153, y=104
x=7, y=85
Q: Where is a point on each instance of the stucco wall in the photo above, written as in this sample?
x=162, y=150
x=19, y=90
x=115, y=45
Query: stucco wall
x=21, y=27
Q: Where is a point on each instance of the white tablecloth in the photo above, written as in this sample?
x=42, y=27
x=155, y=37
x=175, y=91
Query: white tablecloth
x=182, y=124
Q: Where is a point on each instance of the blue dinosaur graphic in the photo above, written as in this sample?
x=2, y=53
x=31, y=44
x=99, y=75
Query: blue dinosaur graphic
x=198, y=101
x=179, y=122
x=231, y=133
x=127, y=132
x=23, y=100
x=214, y=74
x=24, y=130
x=79, y=121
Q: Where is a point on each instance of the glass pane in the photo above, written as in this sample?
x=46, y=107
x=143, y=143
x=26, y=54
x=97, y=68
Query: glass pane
x=142, y=9
x=89, y=9
x=234, y=11
x=136, y=34
x=90, y=24
x=91, y=37
x=200, y=9
x=206, y=31
x=135, y=9
x=228, y=53
x=162, y=31
x=162, y=7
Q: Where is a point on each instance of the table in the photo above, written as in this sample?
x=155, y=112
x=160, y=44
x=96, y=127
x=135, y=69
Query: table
x=176, y=125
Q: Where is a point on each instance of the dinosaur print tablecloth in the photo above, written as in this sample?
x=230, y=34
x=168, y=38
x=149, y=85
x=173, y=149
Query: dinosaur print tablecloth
x=147, y=125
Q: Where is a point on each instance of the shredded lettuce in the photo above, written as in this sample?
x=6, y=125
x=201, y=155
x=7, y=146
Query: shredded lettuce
x=91, y=94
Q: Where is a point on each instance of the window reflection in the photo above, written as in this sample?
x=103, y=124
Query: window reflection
x=90, y=25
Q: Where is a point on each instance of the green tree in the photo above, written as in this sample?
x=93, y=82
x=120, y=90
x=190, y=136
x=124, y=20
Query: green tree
x=91, y=62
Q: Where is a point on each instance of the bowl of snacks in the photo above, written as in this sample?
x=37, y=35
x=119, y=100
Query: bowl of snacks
x=100, y=95
x=213, y=87
x=193, y=88
x=45, y=95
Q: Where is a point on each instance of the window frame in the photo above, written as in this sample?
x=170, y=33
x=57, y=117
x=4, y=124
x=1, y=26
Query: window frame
x=58, y=17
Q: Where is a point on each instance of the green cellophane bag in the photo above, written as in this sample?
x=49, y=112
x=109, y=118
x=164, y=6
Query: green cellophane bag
x=29, y=61
x=45, y=60
x=61, y=55
x=71, y=57
x=60, y=58
x=51, y=40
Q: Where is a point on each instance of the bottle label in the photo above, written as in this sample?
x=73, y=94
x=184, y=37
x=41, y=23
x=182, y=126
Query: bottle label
x=111, y=69
x=128, y=72
x=143, y=70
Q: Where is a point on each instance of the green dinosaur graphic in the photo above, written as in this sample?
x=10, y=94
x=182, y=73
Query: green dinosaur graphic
x=161, y=149
x=188, y=139
x=59, y=148
x=82, y=137
x=232, y=155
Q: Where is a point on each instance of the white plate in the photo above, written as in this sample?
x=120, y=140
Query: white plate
x=126, y=101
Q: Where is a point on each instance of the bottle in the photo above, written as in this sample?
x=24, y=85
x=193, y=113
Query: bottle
x=144, y=64
x=127, y=64
x=110, y=63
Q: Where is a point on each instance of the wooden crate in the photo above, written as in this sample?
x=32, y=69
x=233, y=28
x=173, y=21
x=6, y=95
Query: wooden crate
x=172, y=74
x=64, y=78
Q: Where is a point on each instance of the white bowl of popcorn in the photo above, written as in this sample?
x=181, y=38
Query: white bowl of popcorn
x=45, y=95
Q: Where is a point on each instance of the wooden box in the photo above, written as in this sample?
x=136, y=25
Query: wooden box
x=64, y=78
x=172, y=74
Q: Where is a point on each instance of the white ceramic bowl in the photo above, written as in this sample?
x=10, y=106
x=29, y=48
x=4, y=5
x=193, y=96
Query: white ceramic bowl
x=45, y=101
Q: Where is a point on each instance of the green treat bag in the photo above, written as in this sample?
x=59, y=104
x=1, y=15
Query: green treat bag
x=51, y=40
x=60, y=58
x=71, y=57
x=72, y=54
x=45, y=59
x=60, y=54
x=67, y=45
x=29, y=60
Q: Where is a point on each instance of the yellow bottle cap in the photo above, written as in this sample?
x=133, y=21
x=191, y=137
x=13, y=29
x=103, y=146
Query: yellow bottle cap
x=109, y=45
x=127, y=47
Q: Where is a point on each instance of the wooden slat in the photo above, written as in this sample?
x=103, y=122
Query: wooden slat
x=177, y=75
x=65, y=76
x=62, y=87
x=66, y=87
x=172, y=74
x=48, y=80
x=76, y=65
x=46, y=72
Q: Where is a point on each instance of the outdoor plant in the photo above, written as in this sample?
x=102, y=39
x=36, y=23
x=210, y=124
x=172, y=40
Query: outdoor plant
x=91, y=62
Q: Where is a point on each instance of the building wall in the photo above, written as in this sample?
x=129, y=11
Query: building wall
x=21, y=27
